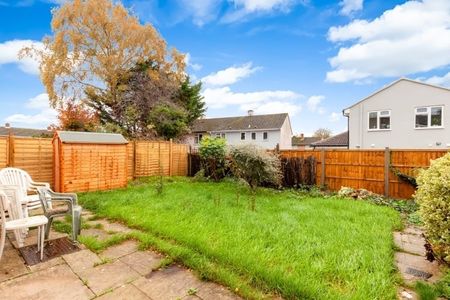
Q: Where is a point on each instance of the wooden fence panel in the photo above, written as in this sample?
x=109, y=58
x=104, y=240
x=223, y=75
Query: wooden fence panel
x=179, y=162
x=4, y=151
x=130, y=161
x=34, y=155
x=93, y=167
x=367, y=168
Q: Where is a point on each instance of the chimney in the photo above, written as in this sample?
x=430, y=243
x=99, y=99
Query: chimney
x=7, y=125
x=250, y=112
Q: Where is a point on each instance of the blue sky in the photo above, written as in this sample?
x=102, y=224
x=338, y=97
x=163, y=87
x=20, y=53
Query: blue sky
x=310, y=58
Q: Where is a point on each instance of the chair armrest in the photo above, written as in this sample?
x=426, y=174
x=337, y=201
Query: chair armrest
x=55, y=195
x=40, y=184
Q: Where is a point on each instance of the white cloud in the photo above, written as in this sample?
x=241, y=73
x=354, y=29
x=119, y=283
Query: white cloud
x=42, y=118
x=313, y=104
x=246, y=7
x=410, y=38
x=189, y=63
x=273, y=107
x=9, y=51
x=335, y=117
x=202, y=11
x=230, y=75
x=348, y=7
x=439, y=80
x=224, y=96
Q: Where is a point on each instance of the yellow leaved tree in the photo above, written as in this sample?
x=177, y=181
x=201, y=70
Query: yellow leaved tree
x=93, y=46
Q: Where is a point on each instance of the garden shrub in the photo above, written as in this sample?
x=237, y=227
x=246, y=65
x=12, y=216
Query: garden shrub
x=433, y=196
x=255, y=165
x=213, y=157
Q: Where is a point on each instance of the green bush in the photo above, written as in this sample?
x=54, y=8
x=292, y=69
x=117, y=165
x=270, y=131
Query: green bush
x=433, y=196
x=255, y=165
x=213, y=157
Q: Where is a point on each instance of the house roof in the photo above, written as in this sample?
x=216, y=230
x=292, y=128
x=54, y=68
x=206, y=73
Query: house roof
x=339, y=140
x=76, y=137
x=395, y=82
x=26, y=132
x=304, y=141
x=272, y=121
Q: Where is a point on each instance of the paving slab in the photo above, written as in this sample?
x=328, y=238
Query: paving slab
x=108, y=276
x=410, y=243
x=213, y=291
x=406, y=294
x=119, y=250
x=125, y=292
x=413, y=268
x=57, y=283
x=82, y=260
x=110, y=226
x=174, y=282
x=96, y=233
x=12, y=264
x=47, y=264
x=170, y=283
x=142, y=262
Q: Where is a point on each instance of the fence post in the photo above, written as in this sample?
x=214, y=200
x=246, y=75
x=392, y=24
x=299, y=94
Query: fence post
x=322, y=162
x=387, y=163
x=134, y=159
x=10, y=159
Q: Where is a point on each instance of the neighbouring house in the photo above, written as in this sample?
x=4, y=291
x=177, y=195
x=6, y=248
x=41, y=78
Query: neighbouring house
x=24, y=132
x=405, y=114
x=303, y=142
x=267, y=131
x=337, y=141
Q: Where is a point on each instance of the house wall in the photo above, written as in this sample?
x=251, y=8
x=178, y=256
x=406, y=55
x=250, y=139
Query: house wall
x=286, y=135
x=401, y=98
x=234, y=138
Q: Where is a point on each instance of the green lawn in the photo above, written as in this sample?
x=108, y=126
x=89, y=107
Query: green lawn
x=297, y=246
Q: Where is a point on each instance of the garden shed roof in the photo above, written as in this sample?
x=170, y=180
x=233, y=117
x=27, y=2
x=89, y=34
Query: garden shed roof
x=75, y=137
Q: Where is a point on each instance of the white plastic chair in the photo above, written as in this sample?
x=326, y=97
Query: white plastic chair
x=10, y=200
x=14, y=176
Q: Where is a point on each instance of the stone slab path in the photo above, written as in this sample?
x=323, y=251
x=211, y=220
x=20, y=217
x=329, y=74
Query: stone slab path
x=119, y=272
x=411, y=261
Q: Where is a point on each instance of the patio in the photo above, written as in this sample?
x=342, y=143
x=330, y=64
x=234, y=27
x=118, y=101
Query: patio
x=119, y=272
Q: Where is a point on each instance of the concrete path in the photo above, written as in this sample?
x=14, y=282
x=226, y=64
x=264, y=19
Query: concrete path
x=411, y=261
x=119, y=272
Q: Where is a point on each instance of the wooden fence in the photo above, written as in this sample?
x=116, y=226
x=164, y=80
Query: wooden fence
x=144, y=158
x=368, y=169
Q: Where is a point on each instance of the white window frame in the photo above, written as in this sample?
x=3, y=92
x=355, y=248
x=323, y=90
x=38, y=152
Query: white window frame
x=253, y=133
x=245, y=136
x=266, y=134
x=378, y=120
x=429, y=107
x=198, y=138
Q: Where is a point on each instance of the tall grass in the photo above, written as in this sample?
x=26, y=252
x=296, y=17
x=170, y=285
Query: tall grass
x=299, y=247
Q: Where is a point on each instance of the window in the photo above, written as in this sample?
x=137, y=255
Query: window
x=217, y=135
x=264, y=135
x=198, y=138
x=242, y=136
x=380, y=120
x=253, y=135
x=428, y=117
x=222, y=135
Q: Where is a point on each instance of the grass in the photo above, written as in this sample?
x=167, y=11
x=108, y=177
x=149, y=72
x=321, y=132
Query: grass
x=295, y=246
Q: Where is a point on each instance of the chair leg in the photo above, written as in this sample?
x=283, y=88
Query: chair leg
x=42, y=241
x=2, y=241
x=39, y=238
x=48, y=227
